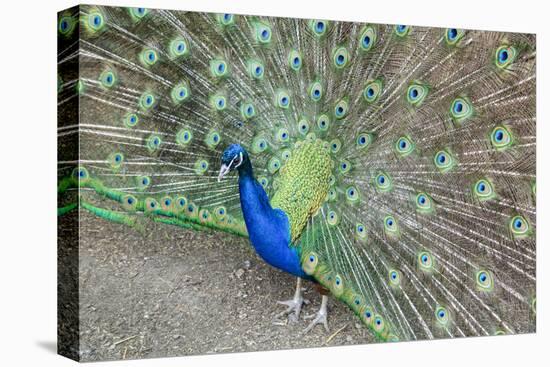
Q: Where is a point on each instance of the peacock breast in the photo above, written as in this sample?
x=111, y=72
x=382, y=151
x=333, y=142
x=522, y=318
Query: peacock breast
x=303, y=183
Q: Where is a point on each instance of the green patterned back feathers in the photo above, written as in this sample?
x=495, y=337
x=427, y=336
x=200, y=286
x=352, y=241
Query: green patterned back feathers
x=404, y=156
x=303, y=183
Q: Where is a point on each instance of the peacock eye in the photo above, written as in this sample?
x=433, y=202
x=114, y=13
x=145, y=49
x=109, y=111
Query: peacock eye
x=345, y=166
x=394, y=277
x=264, y=182
x=416, y=94
x=323, y=122
x=226, y=19
x=201, y=166
x=501, y=138
x=335, y=146
x=461, y=109
x=147, y=101
x=378, y=323
x=283, y=99
x=259, y=144
x=180, y=92
x=115, y=160
x=367, y=38
x=218, y=101
x=66, y=25
x=263, y=33
x=303, y=127
x=107, y=79
x=352, y=194
x=363, y=140
x=181, y=202
x=142, y=182
x=153, y=143
x=183, y=137
x=255, y=69
x=310, y=262
x=442, y=316
x=505, y=56
x=425, y=261
x=341, y=109
x=390, y=224
x=213, y=139
x=484, y=280
x=404, y=146
x=483, y=189
x=444, y=161
x=295, y=60
x=178, y=47
x=372, y=90
x=360, y=231
x=273, y=165
x=453, y=35
x=519, y=226
x=402, y=30
x=383, y=182
x=166, y=203
x=421, y=199
x=315, y=91
x=95, y=21
x=218, y=68
x=148, y=57
x=332, y=218
x=247, y=111
x=319, y=27
x=129, y=202
x=340, y=57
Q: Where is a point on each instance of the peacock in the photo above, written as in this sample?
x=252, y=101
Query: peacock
x=391, y=166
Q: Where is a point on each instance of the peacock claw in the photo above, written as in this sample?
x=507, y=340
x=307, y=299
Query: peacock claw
x=320, y=318
x=294, y=307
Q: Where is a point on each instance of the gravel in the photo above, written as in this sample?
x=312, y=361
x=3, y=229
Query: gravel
x=172, y=292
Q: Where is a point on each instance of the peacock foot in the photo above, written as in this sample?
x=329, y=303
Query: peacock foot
x=294, y=305
x=320, y=318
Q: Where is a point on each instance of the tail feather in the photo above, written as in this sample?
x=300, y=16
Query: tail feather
x=427, y=230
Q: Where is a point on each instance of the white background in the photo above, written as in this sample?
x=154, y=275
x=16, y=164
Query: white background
x=28, y=180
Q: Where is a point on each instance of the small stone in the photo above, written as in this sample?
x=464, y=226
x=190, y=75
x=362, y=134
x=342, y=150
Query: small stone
x=357, y=325
x=239, y=273
x=247, y=264
x=175, y=336
x=349, y=339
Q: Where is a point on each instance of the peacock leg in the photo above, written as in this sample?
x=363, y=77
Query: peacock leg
x=294, y=305
x=321, y=317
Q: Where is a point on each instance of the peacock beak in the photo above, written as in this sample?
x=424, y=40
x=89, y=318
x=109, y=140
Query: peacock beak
x=224, y=170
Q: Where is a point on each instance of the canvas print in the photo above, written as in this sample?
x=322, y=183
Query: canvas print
x=232, y=183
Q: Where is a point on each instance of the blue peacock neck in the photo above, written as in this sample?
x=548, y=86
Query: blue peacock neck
x=268, y=228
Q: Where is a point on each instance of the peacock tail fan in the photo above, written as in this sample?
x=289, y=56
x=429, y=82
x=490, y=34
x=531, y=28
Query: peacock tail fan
x=424, y=139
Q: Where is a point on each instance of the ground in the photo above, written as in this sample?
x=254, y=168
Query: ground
x=173, y=292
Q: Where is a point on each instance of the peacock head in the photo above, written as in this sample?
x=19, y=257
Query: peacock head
x=233, y=157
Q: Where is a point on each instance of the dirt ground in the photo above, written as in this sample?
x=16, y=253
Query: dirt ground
x=177, y=292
